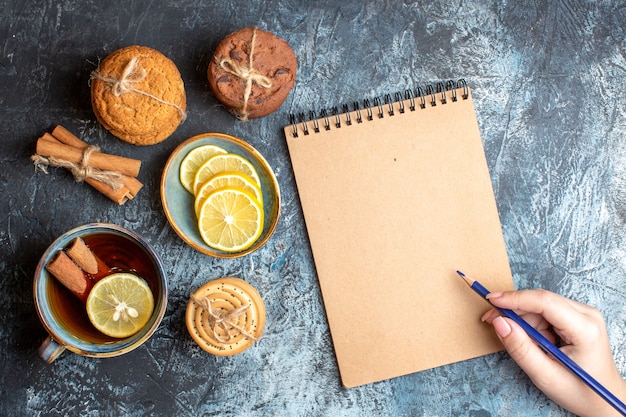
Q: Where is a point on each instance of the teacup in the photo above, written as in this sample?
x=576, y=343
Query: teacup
x=64, y=315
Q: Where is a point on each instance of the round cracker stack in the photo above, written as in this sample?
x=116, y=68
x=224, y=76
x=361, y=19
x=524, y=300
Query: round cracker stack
x=225, y=316
x=137, y=94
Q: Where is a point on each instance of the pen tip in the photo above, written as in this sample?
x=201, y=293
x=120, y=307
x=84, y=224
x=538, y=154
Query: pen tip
x=460, y=273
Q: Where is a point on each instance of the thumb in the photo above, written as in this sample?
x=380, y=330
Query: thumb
x=530, y=357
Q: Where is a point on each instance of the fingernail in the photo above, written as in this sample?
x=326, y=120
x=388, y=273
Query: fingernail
x=487, y=317
x=502, y=327
x=492, y=295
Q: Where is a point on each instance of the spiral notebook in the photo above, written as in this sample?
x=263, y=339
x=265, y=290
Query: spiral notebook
x=396, y=196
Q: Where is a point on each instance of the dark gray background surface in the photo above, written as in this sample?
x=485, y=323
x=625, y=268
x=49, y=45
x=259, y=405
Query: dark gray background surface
x=549, y=87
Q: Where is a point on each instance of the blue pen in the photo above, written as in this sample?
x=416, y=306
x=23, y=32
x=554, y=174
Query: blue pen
x=549, y=347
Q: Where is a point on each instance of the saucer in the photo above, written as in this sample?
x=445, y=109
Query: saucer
x=178, y=203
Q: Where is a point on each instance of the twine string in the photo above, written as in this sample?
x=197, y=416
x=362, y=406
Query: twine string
x=224, y=320
x=133, y=73
x=81, y=170
x=247, y=74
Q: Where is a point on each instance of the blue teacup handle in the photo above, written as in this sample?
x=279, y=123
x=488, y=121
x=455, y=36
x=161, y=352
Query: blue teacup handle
x=50, y=349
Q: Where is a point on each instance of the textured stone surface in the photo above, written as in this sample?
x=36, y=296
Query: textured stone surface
x=549, y=87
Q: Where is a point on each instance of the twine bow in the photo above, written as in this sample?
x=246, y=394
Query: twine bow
x=82, y=169
x=133, y=73
x=248, y=74
x=224, y=320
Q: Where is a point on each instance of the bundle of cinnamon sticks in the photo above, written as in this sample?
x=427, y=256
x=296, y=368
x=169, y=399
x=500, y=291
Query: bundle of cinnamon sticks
x=114, y=176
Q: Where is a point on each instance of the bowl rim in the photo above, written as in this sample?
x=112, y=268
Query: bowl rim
x=261, y=160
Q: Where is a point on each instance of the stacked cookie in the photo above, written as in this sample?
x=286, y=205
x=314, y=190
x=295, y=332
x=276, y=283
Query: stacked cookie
x=252, y=72
x=138, y=95
x=225, y=316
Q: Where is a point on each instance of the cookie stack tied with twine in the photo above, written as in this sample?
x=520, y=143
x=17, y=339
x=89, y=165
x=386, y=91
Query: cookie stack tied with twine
x=138, y=95
x=225, y=316
x=252, y=72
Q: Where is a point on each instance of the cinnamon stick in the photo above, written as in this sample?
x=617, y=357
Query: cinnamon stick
x=83, y=256
x=53, y=148
x=88, y=261
x=65, y=136
x=70, y=275
x=127, y=192
x=131, y=184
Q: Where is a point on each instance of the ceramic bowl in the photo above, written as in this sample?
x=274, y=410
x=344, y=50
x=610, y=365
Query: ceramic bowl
x=178, y=203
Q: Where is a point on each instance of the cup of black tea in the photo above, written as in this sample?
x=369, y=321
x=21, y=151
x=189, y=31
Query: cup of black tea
x=64, y=315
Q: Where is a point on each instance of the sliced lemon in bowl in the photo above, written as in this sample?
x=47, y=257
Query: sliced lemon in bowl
x=194, y=160
x=227, y=179
x=223, y=163
x=230, y=219
x=120, y=305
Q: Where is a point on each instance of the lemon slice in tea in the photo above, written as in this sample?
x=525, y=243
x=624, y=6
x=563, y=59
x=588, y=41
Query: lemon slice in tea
x=227, y=179
x=230, y=220
x=120, y=305
x=223, y=163
x=194, y=160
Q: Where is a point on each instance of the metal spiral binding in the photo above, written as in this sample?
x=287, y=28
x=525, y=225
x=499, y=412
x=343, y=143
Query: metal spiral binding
x=335, y=113
x=346, y=112
x=357, y=109
x=408, y=94
x=368, y=107
x=418, y=98
x=379, y=104
x=400, y=101
x=316, y=125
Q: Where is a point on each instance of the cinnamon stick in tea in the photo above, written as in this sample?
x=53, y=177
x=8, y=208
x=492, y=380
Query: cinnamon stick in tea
x=88, y=261
x=70, y=275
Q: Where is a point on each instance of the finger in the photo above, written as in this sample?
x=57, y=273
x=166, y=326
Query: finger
x=557, y=310
x=530, y=357
x=535, y=320
x=494, y=312
x=490, y=315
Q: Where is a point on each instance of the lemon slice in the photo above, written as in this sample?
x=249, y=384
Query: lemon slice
x=223, y=163
x=230, y=220
x=227, y=179
x=193, y=160
x=120, y=305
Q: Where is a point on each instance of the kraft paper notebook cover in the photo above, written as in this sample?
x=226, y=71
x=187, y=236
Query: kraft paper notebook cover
x=396, y=197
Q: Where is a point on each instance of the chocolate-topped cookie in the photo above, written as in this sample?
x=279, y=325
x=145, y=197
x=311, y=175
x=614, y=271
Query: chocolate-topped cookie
x=138, y=95
x=252, y=72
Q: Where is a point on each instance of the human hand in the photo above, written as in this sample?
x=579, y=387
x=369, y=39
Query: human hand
x=583, y=337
